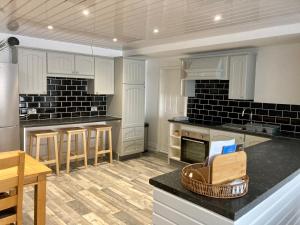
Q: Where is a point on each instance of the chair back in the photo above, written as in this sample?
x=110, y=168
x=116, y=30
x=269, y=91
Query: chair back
x=12, y=169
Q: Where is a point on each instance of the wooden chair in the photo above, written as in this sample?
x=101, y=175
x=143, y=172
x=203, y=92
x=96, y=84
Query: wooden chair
x=12, y=198
x=99, y=134
x=45, y=134
x=73, y=131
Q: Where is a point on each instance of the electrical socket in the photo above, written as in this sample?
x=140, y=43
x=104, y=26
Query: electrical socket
x=31, y=111
x=93, y=108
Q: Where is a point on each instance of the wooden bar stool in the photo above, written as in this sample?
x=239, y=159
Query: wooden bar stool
x=74, y=131
x=99, y=134
x=45, y=134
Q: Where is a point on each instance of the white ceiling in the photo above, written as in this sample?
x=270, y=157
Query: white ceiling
x=133, y=21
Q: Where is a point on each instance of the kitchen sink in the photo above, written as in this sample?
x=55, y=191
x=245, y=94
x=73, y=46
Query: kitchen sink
x=254, y=127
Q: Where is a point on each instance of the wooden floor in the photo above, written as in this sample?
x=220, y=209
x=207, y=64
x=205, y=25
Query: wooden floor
x=117, y=193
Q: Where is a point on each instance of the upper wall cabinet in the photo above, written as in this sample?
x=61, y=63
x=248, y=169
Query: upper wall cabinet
x=103, y=84
x=84, y=65
x=134, y=71
x=70, y=65
x=32, y=71
x=242, y=76
x=60, y=63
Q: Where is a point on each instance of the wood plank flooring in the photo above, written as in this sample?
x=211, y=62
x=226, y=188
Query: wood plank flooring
x=117, y=193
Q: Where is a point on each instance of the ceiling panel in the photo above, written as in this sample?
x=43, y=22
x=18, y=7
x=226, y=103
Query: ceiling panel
x=133, y=21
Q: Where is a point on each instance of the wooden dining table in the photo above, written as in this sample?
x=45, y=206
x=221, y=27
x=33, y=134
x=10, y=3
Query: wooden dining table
x=35, y=173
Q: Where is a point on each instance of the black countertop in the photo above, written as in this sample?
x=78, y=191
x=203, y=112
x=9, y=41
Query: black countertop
x=270, y=165
x=55, y=122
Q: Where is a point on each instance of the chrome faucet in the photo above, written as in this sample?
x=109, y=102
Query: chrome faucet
x=251, y=114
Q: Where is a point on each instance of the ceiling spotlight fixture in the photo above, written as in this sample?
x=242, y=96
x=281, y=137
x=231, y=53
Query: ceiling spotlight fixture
x=86, y=12
x=50, y=27
x=115, y=39
x=217, y=18
x=155, y=30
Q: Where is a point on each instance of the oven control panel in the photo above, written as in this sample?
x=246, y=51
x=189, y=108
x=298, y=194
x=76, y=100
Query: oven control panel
x=195, y=135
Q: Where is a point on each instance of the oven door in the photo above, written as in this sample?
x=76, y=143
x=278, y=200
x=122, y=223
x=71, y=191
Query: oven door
x=194, y=150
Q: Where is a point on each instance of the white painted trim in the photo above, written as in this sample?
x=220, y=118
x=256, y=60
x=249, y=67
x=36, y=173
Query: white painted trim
x=39, y=43
x=232, y=38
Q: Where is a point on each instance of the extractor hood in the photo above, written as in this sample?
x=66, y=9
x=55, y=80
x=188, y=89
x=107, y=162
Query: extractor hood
x=205, y=68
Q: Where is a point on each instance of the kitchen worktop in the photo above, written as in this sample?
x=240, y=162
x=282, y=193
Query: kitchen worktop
x=270, y=165
x=63, y=121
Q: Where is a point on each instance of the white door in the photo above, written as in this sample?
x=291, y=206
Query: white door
x=84, y=65
x=171, y=104
x=60, y=63
x=237, y=77
x=104, y=76
x=32, y=71
x=133, y=105
x=134, y=71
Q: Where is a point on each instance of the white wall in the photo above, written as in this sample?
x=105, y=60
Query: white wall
x=278, y=74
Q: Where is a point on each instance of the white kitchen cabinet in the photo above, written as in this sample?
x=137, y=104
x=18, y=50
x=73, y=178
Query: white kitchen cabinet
x=134, y=71
x=84, y=65
x=133, y=105
x=32, y=71
x=60, y=63
x=242, y=76
x=103, y=84
x=251, y=140
x=239, y=138
x=128, y=102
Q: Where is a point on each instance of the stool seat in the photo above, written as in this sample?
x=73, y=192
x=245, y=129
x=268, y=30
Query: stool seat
x=39, y=133
x=48, y=135
x=72, y=130
x=99, y=134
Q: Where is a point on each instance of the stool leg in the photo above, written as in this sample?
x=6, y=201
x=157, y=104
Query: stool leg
x=48, y=147
x=110, y=145
x=88, y=142
x=30, y=145
x=37, y=154
x=56, y=154
x=96, y=146
x=76, y=149
x=84, y=149
x=68, y=153
x=61, y=145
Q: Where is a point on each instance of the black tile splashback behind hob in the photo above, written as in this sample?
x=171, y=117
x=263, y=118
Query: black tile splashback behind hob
x=211, y=105
x=65, y=98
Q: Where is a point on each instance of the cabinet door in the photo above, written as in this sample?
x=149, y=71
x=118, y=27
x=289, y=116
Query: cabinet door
x=133, y=105
x=104, y=76
x=251, y=140
x=84, y=65
x=239, y=138
x=32, y=71
x=60, y=63
x=131, y=147
x=134, y=71
x=237, y=77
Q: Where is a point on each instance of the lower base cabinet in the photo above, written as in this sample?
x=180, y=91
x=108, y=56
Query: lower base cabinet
x=132, y=147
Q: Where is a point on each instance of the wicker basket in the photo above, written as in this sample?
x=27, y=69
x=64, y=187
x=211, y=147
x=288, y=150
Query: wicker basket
x=195, y=178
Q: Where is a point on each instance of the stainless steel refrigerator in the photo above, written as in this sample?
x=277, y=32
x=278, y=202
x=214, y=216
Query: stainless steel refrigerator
x=9, y=108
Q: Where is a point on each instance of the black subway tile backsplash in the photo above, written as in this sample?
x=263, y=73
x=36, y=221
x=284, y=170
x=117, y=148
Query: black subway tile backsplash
x=211, y=105
x=65, y=98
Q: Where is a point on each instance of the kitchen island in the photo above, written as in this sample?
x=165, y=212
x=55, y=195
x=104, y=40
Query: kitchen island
x=273, y=197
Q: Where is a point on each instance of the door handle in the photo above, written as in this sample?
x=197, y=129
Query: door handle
x=200, y=142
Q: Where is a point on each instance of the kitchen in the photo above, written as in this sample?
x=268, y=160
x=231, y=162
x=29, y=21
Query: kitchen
x=111, y=105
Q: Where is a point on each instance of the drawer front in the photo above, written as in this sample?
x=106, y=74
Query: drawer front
x=131, y=147
x=133, y=133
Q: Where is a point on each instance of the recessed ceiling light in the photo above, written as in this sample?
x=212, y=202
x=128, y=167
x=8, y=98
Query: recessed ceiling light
x=86, y=12
x=217, y=18
x=155, y=30
x=115, y=39
x=50, y=27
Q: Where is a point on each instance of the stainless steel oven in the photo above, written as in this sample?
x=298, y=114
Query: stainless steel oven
x=194, y=146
